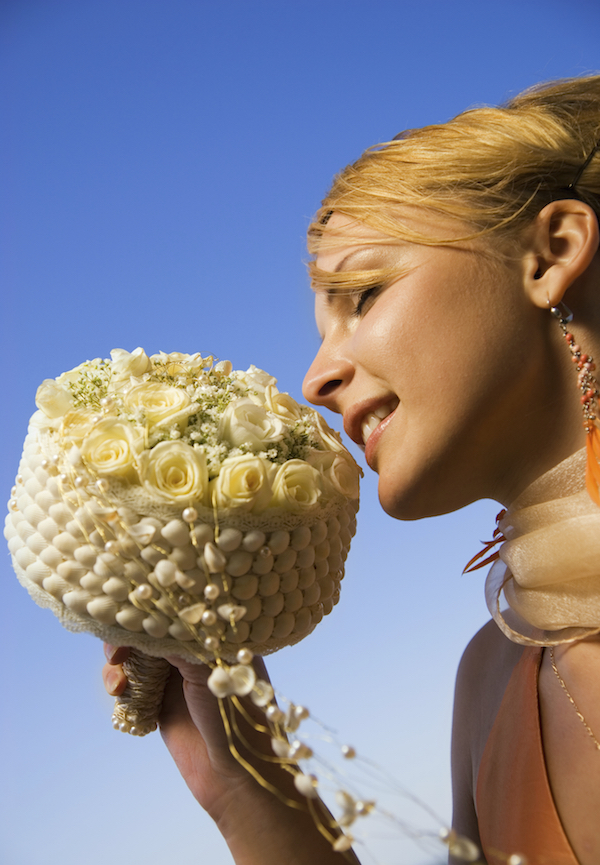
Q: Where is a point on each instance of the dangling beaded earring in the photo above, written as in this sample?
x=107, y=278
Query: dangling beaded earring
x=590, y=391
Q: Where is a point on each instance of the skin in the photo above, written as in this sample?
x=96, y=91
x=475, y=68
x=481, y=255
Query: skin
x=463, y=346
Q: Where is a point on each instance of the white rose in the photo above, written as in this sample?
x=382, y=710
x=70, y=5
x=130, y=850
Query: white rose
x=245, y=423
x=243, y=483
x=330, y=437
x=282, y=404
x=112, y=448
x=175, y=472
x=296, y=487
x=179, y=363
x=161, y=404
x=339, y=472
x=126, y=364
x=77, y=424
x=53, y=399
x=255, y=378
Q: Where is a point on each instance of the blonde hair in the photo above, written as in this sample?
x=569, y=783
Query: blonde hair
x=491, y=168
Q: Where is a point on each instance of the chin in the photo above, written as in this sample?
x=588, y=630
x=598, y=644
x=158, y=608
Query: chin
x=417, y=502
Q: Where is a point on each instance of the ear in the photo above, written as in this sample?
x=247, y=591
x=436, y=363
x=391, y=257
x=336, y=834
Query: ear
x=561, y=244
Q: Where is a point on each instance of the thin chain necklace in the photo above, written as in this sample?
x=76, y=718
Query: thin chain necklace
x=571, y=700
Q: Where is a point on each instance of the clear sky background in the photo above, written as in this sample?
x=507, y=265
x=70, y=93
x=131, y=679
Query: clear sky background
x=160, y=163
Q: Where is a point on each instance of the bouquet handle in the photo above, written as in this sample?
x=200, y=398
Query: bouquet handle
x=137, y=709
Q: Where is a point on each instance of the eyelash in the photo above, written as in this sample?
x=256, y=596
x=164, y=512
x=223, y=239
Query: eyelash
x=363, y=297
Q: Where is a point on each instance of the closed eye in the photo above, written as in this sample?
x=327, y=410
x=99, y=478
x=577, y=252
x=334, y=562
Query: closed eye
x=363, y=299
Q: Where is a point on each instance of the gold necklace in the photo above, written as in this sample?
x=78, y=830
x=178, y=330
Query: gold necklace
x=571, y=700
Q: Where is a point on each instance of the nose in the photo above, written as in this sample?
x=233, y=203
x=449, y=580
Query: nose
x=327, y=378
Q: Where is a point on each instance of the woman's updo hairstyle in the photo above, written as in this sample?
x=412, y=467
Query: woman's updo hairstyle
x=493, y=168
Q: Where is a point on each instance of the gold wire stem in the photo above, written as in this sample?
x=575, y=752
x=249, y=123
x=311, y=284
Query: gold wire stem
x=284, y=762
x=260, y=728
x=291, y=803
x=578, y=712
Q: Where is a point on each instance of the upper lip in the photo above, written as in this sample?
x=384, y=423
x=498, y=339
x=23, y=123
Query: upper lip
x=354, y=417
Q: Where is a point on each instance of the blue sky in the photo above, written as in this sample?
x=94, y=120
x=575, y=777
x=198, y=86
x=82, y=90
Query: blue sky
x=159, y=167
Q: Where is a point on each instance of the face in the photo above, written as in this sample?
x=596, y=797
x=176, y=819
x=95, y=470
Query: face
x=439, y=375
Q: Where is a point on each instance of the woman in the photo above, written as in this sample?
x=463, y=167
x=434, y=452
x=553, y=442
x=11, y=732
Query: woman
x=444, y=265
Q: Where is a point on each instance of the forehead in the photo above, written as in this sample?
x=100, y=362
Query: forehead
x=343, y=237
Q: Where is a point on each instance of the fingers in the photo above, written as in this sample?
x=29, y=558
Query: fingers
x=116, y=654
x=115, y=680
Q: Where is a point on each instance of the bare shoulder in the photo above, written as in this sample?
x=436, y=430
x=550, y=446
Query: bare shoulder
x=483, y=674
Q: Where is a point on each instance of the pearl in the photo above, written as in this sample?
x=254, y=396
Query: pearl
x=102, y=485
x=300, y=751
x=12, y=504
x=212, y=592
x=106, y=402
x=189, y=515
x=348, y=752
x=211, y=643
x=124, y=727
x=301, y=712
x=79, y=481
x=112, y=547
x=134, y=731
x=13, y=492
x=144, y=592
x=264, y=552
x=45, y=463
x=245, y=656
x=63, y=478
x=275, y=715
x=209, y=617
x=19, y=479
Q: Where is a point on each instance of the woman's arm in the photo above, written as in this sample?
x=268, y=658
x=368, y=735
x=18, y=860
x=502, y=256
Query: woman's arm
x=258, y=827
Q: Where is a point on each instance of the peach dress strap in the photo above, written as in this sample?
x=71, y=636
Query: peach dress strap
x=515, y=808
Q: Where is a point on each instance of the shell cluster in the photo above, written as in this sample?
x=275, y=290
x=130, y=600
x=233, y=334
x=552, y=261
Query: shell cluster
x=170, y=582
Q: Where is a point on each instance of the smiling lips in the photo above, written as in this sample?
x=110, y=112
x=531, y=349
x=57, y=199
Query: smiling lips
x=372, y=420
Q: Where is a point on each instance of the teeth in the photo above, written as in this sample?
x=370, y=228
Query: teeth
x=374, y=418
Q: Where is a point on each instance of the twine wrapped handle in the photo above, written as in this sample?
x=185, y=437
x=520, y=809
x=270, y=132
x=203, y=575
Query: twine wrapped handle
x=137, y=709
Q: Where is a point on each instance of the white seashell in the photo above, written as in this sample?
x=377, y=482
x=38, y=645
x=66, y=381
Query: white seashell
x=279, y=541
x=73, y=528
x=195, y=581
x=37, y=572
x=103, y=609
x=327, y=606
x=48, y=528
x=229, y=540
x=294, y=601
x=254, y=540
x=322, y=550
x=60, y=513
x=85, y=519
x=74, y=456
x=327, y=588
x=214, y=558
x=71, y=571
x=219, y=683
x=179, y=631
x=285, y=560
x=231, y=611
x=108, y=565
x=262, y=564
x=321, y=569
x=342, y=844
x=281, y=748
x=25, y=529
x=268, y=584
x=318, y=532
x=45, y=500
x=317, y=614
x=166, y=571
x=37, y=543
x=86, y=555
x=15, y=543
x=289, y=581
x=97, y=540
x=239, y=563
x=300, y=538
x=34, y=514
x=77, y=601
x=51, y=557
x=306, y=557
x=92, y=583
x=243, y=679
x=202, y=534
x=142, y=533
x=127, y=546
x=262, y=629
x=104, y=513
x=238, y=633
x=303, y=621
x=183, y=580
x=193, y=614
x=184, y=557
x=33, y=486
x=273, y=605
x=306, y=785
x=335, y=545
x=312, y=594
x=262, y=693
x=336, y=563
x=135, y=571
x=151, y=521
x=284, y=624
x=245, y=588
x=253, y=609
x=127, y=516
x=151, y=555
x=25, y=557
x=66, y=543
x=41, y=474
x=131, y=618
x=156, y=625
x=176, y=533
x=333, y=527
x=53, y=488
x=116, y=589
x=56, y=586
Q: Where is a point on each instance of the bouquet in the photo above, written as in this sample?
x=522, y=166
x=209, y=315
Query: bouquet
x=174, y=505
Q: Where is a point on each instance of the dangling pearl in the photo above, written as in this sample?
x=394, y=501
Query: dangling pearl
x=102, y=485
x=189, y=515
x=212, y=592
x=244, y=656
x=209, y=617
x=211, y=643
x=348, y=752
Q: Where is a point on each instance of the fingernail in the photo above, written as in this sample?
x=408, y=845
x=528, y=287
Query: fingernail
x=110, y=652
x=113, y=682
